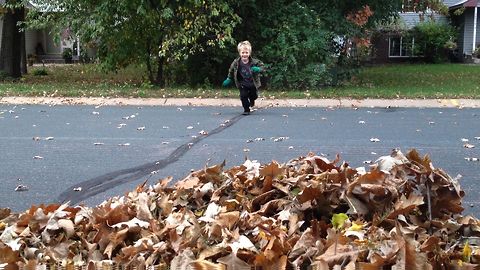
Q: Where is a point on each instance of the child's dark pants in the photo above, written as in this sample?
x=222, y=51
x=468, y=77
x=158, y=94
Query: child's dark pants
x=248, y=95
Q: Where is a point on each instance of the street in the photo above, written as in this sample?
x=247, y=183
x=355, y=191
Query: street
x=86, y=154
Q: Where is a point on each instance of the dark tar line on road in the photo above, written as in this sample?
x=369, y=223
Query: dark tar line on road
x=94, y=186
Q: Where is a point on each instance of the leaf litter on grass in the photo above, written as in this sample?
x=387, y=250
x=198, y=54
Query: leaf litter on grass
x=401, y=213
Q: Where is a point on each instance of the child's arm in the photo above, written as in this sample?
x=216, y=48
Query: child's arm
x=258, y=66
x=230, y=70
x=230, y=75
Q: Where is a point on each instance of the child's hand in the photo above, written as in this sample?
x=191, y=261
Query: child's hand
x=226, y=82
x=256, y=69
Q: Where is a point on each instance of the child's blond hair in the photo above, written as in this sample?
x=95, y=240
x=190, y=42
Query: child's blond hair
x=245, y=44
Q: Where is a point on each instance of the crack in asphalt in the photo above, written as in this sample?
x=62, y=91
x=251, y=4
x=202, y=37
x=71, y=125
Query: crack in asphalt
x=86, y=189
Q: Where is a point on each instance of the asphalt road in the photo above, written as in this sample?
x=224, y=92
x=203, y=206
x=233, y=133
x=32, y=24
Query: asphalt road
x=108, y=150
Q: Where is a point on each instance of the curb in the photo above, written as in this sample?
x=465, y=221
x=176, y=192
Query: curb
x=344, y=103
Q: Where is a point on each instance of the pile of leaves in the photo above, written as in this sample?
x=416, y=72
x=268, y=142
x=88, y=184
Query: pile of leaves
x=309, y=212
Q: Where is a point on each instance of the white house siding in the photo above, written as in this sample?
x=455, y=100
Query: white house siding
x=461, y=39
x=468, y=31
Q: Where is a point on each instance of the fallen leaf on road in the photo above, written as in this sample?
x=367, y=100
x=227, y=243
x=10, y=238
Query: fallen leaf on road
x=21, y=188
x=279, y=139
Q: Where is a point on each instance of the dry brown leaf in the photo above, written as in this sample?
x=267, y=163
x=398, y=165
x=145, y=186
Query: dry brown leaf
x=143, y=207
x=228, y=220
x=407, y=257
x=182, y=261
x=310, y=193
x=115, y=239
x=7, y=255
x=206, y=265
x=232, y=262
x=188, y=183
x=405, y=206
x=425, y=164
x=210, y=251
x=430, y=244
x=4, y=212
x=67, y=226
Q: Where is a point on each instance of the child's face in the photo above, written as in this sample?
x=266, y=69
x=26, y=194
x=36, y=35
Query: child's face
x=244, y=54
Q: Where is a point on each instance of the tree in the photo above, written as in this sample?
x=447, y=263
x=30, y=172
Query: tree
x=141, y=31
x=307, y=41
x=12, y=37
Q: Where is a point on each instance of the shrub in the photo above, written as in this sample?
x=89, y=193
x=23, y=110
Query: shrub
x=4, y=76
x=476, y=53
x=67, y=55
x=298, y=49
x=40, y=72
x=432, y=37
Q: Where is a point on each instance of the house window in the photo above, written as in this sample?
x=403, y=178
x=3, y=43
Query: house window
x=401, y=47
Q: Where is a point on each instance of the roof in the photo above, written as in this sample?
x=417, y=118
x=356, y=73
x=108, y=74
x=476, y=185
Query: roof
x=461, y=3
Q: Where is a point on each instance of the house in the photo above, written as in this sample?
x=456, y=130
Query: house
x=42, y=44
x=468, y=24
x=391, y=45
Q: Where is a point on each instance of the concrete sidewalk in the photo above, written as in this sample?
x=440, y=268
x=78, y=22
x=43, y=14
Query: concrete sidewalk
x=262, y=102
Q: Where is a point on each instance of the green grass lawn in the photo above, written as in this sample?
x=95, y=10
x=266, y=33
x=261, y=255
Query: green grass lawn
x=416, y=81
x=386, y=81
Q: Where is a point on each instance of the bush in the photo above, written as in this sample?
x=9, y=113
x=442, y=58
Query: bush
x=4, y=76
x=299, y=49
x=432, y=39
x=40, y=72
x=476, y=53
x=67, y=55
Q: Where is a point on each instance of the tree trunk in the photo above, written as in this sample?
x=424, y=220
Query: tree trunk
x=23, y=49
x=11, y=50
x=160, y=80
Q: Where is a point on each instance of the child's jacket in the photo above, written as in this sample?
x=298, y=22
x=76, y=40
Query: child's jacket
x=233, y=71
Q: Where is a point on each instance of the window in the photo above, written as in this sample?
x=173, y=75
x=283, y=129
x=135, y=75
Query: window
x=401, y=47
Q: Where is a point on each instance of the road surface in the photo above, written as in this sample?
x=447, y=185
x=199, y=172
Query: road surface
x=86, y=153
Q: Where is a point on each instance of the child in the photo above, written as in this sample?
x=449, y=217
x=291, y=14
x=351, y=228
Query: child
x=245, y=71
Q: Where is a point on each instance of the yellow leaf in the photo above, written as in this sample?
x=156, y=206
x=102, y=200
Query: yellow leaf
x=356, y=227
x=338, y=220
x=467, y=252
